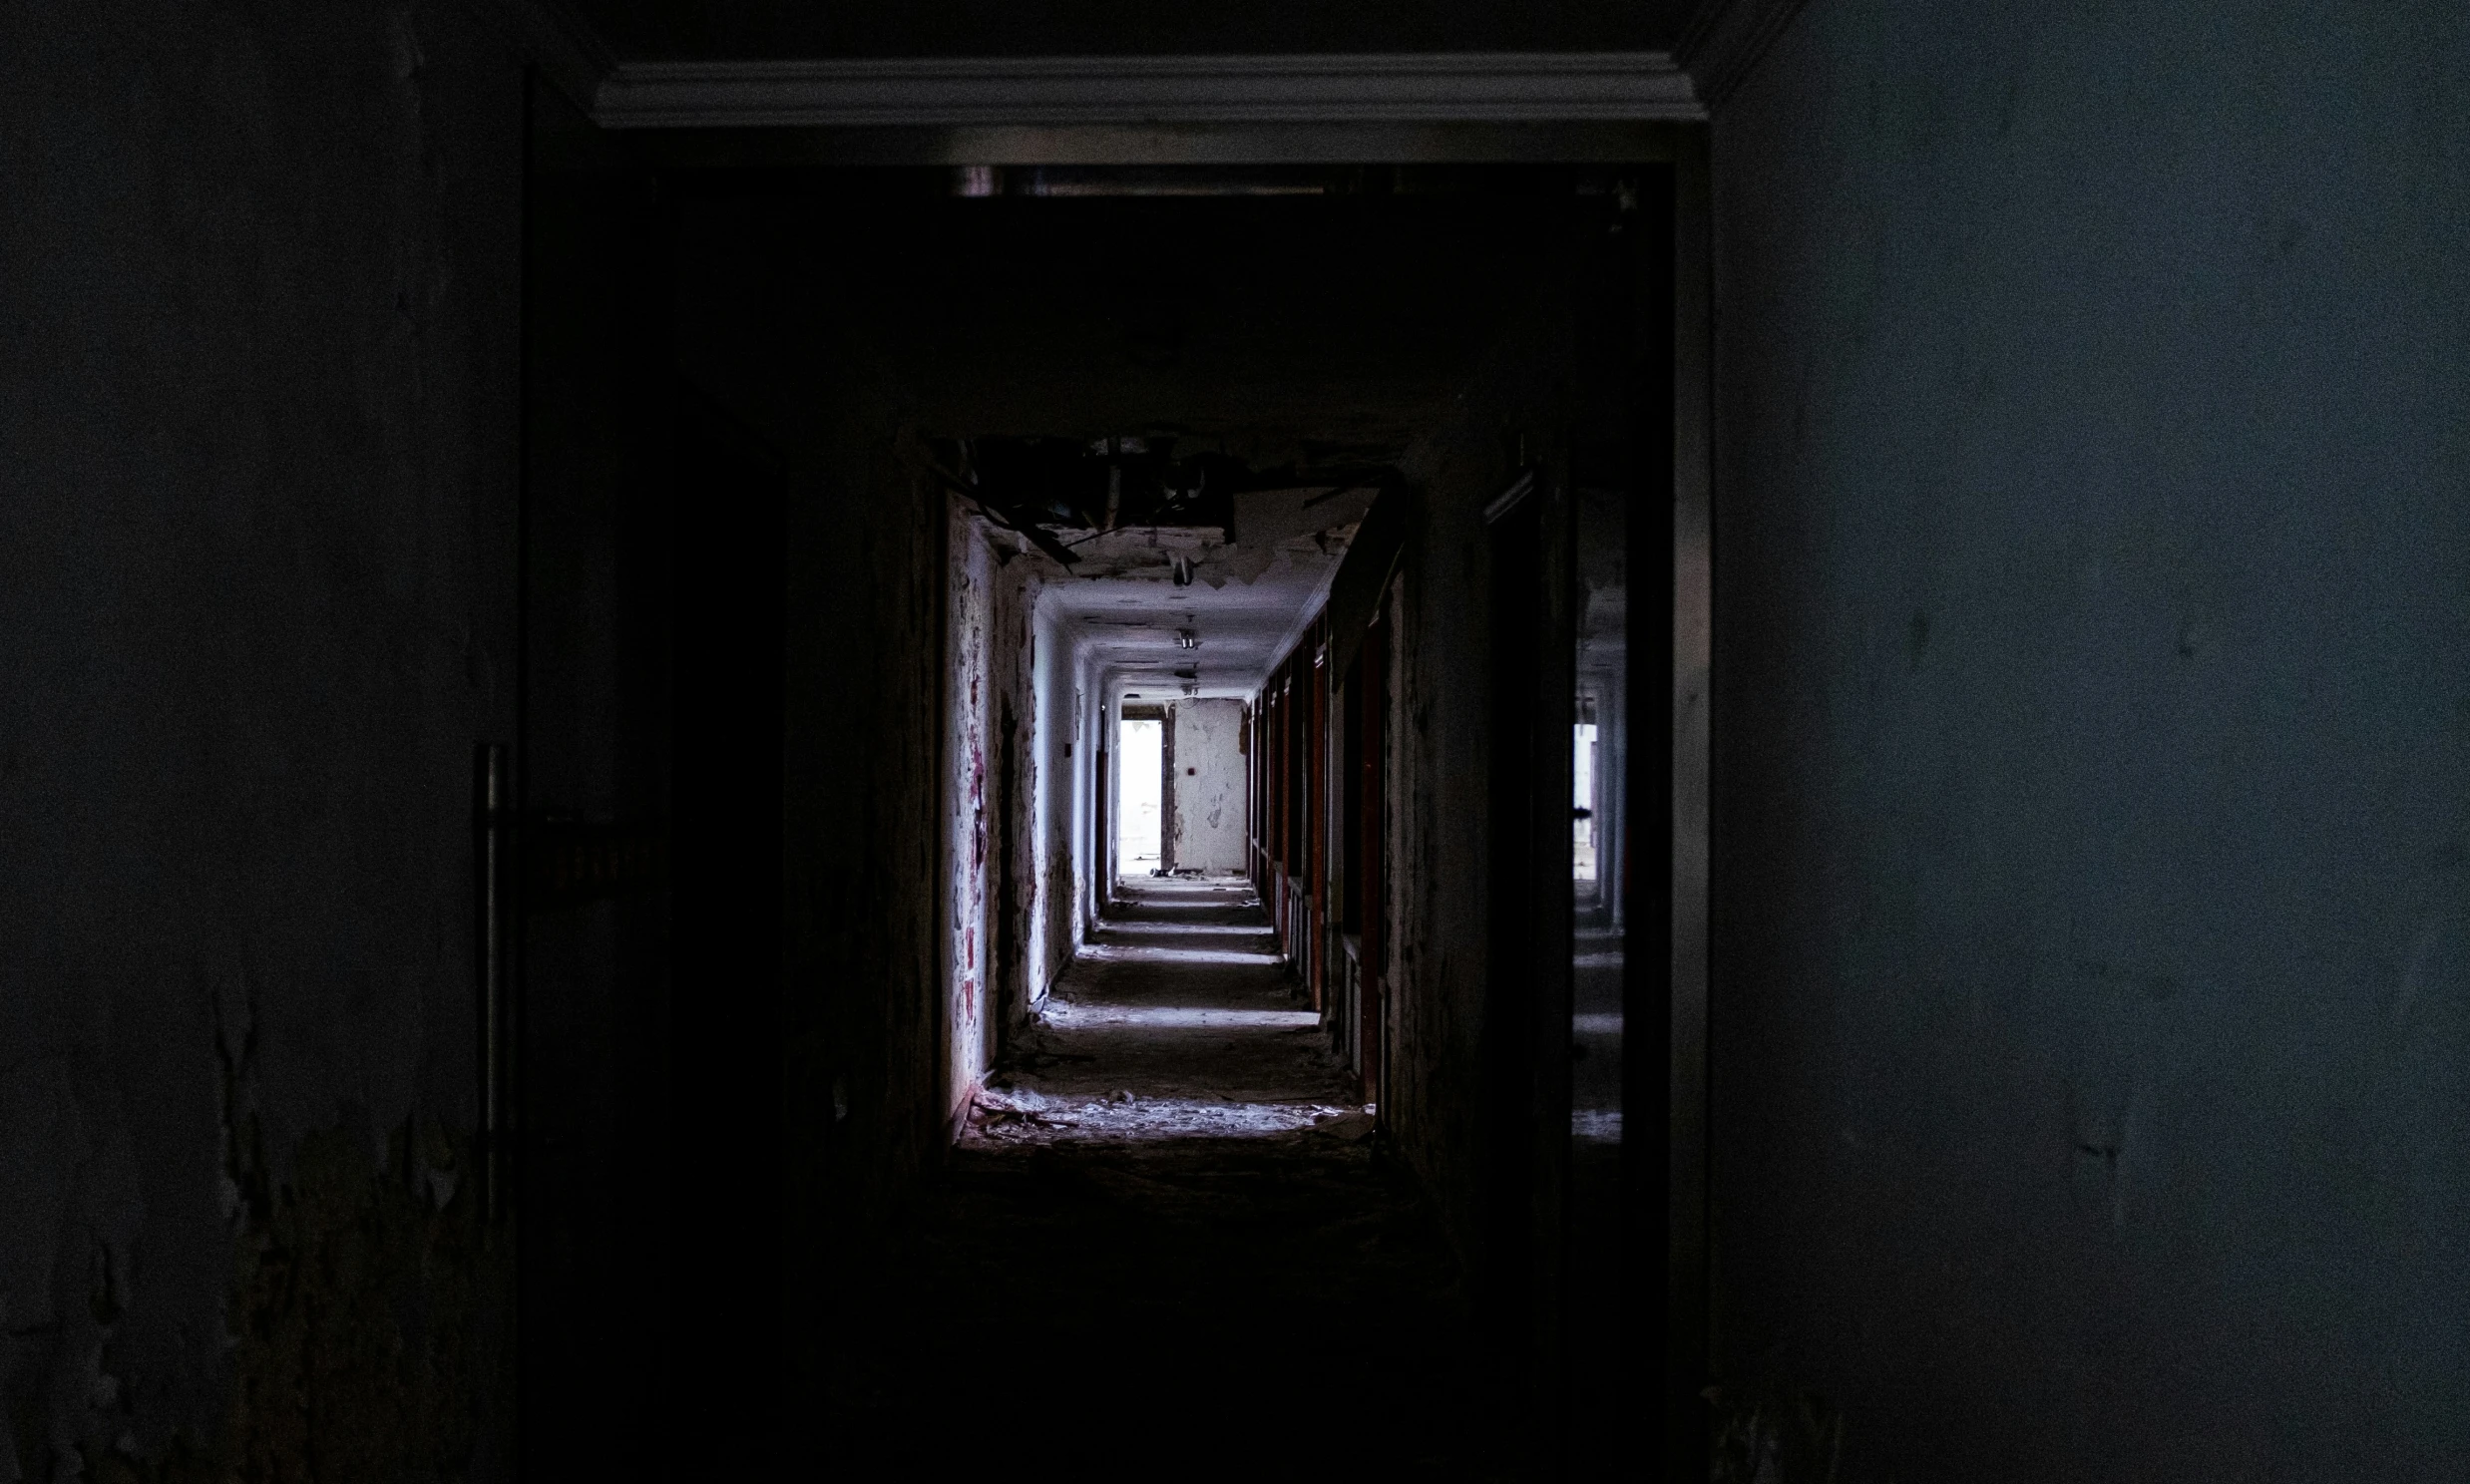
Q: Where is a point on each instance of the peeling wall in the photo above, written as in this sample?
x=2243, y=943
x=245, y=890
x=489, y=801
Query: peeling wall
x=255, y=573
x=1089, y=775
x=993, y=793
x=1208, y=827
x=1062, y=758
x=2091, y=738
x=975, y=618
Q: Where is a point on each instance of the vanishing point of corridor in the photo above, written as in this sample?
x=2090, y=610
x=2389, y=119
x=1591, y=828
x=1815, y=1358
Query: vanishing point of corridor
x=1166, y=1248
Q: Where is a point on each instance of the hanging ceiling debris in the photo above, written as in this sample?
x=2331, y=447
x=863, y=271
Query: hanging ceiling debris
x=1059, y=491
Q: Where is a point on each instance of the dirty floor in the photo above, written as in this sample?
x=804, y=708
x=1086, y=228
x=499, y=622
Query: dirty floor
x=1167, y=1249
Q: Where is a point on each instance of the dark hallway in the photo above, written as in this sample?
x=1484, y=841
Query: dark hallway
x=1632, y=740
x=1158, y=1213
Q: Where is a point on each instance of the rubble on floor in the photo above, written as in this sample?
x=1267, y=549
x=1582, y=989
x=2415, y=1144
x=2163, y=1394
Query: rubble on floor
x=1172, y=1217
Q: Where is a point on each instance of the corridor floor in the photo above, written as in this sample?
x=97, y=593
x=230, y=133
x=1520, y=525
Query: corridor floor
x=1167, y=1249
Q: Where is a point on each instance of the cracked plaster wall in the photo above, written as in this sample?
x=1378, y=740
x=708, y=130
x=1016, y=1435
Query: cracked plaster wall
x=992, y=605
x=1061, y=759
x=2092, y=1010
x=256, y=571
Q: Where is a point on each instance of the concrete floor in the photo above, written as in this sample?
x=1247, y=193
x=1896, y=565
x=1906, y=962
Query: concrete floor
x=1219, y=1278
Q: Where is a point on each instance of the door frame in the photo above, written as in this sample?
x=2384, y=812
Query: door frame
x=1676, y=138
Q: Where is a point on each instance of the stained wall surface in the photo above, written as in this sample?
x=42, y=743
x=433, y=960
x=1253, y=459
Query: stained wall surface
x=257, y=559
x=2092, y=1011
x=1208, y=828
x=990, y=794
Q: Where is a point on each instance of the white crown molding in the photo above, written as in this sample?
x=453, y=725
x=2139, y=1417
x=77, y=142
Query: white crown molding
x=1726, y=38
x=1513, y=88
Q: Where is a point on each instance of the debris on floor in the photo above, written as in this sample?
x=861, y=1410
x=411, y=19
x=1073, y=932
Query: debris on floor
x=999, y=1108
x=1170, y=1168
x=1348, y=1125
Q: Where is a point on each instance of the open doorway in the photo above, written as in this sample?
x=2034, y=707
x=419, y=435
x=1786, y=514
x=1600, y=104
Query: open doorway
x=1140, y=771
x=1139, y=439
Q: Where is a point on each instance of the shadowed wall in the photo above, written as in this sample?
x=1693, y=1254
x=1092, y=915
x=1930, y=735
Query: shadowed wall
x=2092, y=1022
x=257, y=444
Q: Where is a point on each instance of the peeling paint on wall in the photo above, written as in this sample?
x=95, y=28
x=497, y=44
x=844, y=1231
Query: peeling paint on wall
x=365, y=1332
x=993, y=901
x=256, y=569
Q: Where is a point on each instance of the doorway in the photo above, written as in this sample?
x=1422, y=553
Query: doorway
x=1158, y=597
x=1140, y=795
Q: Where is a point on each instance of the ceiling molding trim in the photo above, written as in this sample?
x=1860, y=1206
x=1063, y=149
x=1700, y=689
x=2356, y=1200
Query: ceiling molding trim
x=565, y=49
x=1504, y=87
x=1727, y=38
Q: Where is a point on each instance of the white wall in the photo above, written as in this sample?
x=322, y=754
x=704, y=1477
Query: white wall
x=1207, y=809
x=1058, y=747
x=1097, y=718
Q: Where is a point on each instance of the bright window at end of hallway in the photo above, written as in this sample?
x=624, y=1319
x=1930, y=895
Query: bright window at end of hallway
x=1582, y=802
x=1141, y=750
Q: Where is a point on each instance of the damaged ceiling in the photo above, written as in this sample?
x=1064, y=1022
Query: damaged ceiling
x=1062, y=495
x=1179, y=569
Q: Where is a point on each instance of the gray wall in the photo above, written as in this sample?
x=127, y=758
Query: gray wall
x=256, y=496
x=2092, y=1012
x=1206, y=824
